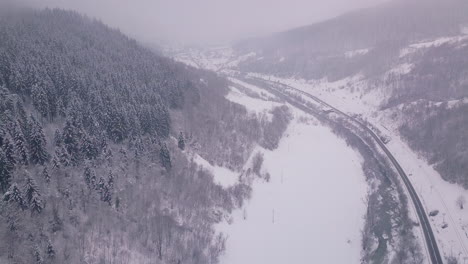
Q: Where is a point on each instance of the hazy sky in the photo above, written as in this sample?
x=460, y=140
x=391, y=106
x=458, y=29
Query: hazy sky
x=206, y=21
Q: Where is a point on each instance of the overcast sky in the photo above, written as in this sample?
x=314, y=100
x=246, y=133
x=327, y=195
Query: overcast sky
x=206, y=21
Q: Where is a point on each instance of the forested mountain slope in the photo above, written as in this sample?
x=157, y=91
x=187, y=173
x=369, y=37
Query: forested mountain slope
x=97, y=139
x=433, y=97
x=377, y=34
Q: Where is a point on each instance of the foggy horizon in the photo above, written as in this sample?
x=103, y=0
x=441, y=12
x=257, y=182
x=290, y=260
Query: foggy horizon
x=163, y=21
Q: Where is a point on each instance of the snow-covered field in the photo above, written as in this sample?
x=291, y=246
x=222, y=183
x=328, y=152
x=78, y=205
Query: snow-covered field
x=351, y=95
x=451, y=224
x=309, y=210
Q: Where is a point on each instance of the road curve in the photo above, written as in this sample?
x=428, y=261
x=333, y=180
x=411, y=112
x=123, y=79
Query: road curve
x=431, y=242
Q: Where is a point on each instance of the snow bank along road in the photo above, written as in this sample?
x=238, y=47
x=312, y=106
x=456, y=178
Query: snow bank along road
x=432, y=247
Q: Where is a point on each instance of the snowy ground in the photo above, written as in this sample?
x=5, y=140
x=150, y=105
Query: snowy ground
x=352, y=95
x=435, y=193
x=309, y=210
x=222, y=176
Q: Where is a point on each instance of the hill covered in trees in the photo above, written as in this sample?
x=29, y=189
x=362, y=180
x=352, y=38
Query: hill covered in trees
x=376, y=34
x=96, y=136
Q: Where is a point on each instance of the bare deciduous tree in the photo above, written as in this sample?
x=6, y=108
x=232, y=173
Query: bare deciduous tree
x=461, y=201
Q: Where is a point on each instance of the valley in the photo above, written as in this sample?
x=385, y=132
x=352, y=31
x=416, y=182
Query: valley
x=143, y=132
x=355, y=97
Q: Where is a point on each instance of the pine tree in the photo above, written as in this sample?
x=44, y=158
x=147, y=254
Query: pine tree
x=90, y=177
x=37, y=255
x=110, y=181
x=56, y=160
x=2, y=133
x=45, y=174
x=162, y=121
x=37, y=144
x=89, y=148
x=36, y=204
x=6, y=122
x=181, y=141
x=62, y=156
x=32, y=196
x=71, y=142
x=9, y=152
x=101, y=185
x=50, y=250
x=22, y=119
x=57, y=138
x=12, y=221
x=108, y=155
x=5, y=172
x=107, y=195
x=20, y=145
x=117, y=127
x=165, y=156
x=14, y=195
x=40, y=100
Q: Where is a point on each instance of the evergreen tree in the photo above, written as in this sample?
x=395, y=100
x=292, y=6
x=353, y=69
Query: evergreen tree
x=70, y=137
x=32, y=195
x=46, y=175
x=61, y=111
x=90, y=177
x=89, y=148
x=101, y=185
x=107, y=195
x=102, y=189
x=181, y=141
x=22, y=119
x=162, y=121
x=165, y=156
x=110, y=181
x=117, y=126
x=61, y=154
x=57, y=138
x=40, y=100
x=108, y=155
x=9, y=152
x=37, y=144
x=20, y=145
x=5, y=171
x=37, y=255
x=14, y=195
x=36, y=204
x=6, y=122
x=2, y=133
x=50, y=251
x=56, y=160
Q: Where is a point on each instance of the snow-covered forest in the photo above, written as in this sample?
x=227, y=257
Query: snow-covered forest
x=96, y=134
